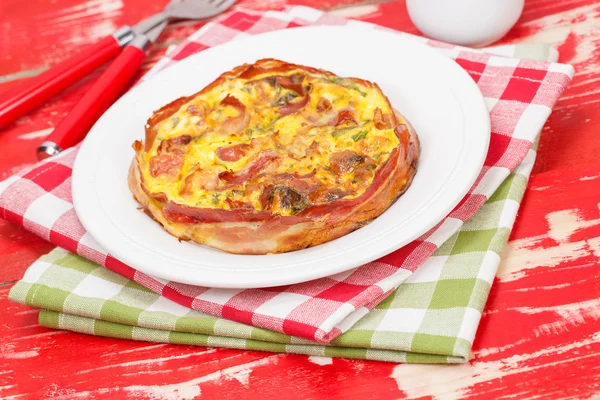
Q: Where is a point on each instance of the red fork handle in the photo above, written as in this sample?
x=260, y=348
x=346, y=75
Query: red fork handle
x=96, y=101
x=24, y=98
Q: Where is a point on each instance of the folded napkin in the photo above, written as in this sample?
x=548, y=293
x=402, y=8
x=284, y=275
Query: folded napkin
x=432, y=317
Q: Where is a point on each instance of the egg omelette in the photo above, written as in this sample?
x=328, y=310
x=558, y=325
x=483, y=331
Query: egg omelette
x=273, y=157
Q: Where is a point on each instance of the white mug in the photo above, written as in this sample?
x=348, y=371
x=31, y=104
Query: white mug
x=465, y=22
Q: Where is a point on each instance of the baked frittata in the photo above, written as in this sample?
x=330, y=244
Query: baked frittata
x=273, y=157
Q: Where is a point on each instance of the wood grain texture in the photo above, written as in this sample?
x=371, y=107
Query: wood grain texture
x=540, y=332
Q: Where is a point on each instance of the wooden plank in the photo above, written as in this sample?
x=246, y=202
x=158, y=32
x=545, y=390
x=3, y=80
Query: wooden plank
x=540, y=332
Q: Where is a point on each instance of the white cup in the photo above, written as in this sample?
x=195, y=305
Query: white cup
x=465, y=22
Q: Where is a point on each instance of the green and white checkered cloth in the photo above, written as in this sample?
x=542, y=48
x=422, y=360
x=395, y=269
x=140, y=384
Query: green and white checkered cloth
x=435, y=305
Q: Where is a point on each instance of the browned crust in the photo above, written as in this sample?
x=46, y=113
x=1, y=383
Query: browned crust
x=277, y=235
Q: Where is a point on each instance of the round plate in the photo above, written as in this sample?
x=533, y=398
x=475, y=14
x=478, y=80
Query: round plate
x=438, y=97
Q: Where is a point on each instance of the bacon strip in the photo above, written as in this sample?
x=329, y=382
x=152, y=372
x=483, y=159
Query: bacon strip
x=190, y=215
x=249, y=172
x=323, y=105
x=166, y=145
x=235, y=204
x=233, y=153
x=402, y=133
x=344, y=116
x=381, y=121
x=293, y=107
x=234, y=102
x=235, y=124
x=165, y=164
x=295, y=175
x=292, y=82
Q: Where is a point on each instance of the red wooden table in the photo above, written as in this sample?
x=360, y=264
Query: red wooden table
x=540, y=332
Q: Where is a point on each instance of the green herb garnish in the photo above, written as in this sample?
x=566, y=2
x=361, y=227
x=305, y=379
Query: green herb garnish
x=215, y=198
x=335, y=80
x=345, y=83
x=354, y=86
x=271, y=125
x=175, y=121
x=359, y=136
x=246, y=89
x=341, y=131
x=379, y=155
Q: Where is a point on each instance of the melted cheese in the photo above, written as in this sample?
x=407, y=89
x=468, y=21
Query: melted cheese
x=267, y=132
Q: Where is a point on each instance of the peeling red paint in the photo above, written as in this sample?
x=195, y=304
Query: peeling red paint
x=540, y=331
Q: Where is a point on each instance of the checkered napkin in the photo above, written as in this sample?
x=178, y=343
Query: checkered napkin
x=436, y=311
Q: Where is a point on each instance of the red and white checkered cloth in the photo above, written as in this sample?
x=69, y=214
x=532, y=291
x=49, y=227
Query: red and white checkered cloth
x=519, y=94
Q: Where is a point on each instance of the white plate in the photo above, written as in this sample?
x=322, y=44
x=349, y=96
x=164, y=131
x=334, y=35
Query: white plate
x=434, y=93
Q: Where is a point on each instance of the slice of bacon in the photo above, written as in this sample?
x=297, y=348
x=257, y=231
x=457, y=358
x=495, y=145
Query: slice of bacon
x=294, y=106
x=323, y=105
x=286, y=176
x=189, y=215
x=343, y=117
x=308, y=175
x=292, y=82
x=180, y=213
x=235, y=204
x=168, y=145
x=234, y=102
x=247, y=173
x=232, y=153
x=304, y=185
x=403, y=133
x=236, y=124
x=381, y=121
x=168, y=164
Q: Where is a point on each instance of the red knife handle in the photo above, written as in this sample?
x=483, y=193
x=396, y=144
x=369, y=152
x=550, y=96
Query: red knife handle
x=96, y=101
x=24, y=98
